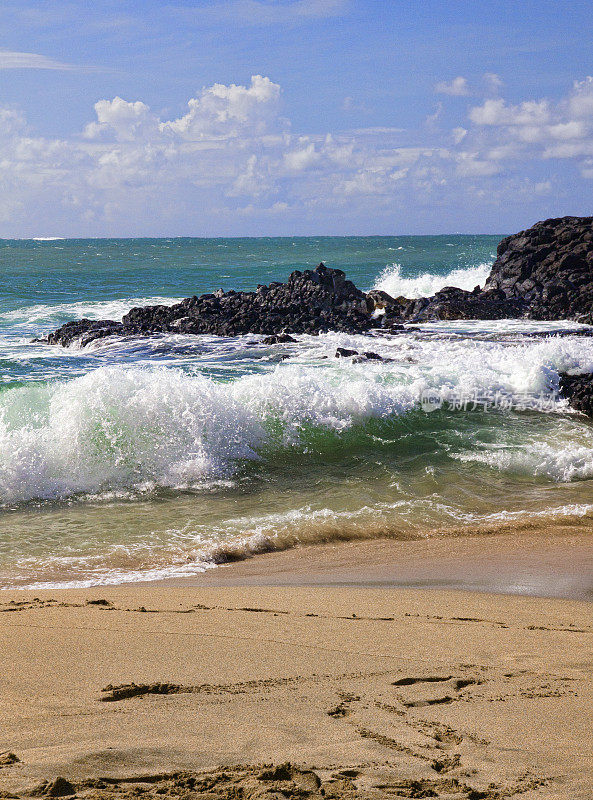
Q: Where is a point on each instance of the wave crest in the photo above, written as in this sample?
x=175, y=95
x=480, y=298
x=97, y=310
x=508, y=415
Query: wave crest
x=392, y=281
x=134, y=428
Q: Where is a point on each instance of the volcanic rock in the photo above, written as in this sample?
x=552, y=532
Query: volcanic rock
x=280, y=338
x=578, y=390
x=549, y=267
x=312, y=301
x=543, y=273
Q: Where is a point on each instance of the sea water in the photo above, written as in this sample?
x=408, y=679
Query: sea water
x=160, y=457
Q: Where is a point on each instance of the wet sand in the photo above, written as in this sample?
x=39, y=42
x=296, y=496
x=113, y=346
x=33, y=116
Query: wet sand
x=555, y=562
x=368, y=690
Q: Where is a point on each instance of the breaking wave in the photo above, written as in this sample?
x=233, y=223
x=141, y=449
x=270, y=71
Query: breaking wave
x=122, y=428
x=392, y=281
x=99, y=309
x=135, y=428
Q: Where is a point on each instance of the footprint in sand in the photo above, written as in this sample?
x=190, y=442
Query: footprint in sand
x=416, y=692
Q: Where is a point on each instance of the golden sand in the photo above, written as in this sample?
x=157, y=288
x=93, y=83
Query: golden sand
x=300, y=692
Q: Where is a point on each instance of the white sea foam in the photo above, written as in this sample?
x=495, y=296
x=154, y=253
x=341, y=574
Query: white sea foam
x=194, y=549
x=392, y=281
x=505, y=327
x=125, y=428
x=118, y=428
x=99, y=309
x=558, y=461
x=122, y=427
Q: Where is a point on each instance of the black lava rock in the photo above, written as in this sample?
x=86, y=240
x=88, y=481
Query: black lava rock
x=549, y=267
x=544, y=273
x=578, y=390
x=313, y=301
x=281, y=338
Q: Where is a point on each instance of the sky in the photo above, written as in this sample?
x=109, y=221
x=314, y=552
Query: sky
x=293, y=117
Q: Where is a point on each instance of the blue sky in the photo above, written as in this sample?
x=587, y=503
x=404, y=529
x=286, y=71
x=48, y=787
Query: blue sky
x=293, y=117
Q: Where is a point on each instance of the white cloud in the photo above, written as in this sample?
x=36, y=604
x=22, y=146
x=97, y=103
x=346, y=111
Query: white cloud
x=580, y=103
x=13, y=60
x=253, y=180
x=496, y=112
x=459, y=134
x=221, y=110
x=11, y=122
x=232, y=153
x=575, y=129
x=569, y=149
x=304, y=157
x=539, y=129
x=458, y=87
x=470, y=165
x=125, y=121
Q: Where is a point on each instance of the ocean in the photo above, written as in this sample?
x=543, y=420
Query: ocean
x=162, y=457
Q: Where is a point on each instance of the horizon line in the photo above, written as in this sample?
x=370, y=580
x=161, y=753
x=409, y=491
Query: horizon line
x=48, y=239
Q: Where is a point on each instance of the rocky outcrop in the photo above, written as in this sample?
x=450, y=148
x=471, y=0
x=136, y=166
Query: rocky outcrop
x=84, y=331
x=312, y=301
x=452, y=303
x=549, y=267
x=543, y=273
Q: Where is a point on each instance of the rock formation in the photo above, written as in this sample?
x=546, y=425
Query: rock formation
x=578, y=390
x=549, y=267
x=312, y=301
x=544, y=273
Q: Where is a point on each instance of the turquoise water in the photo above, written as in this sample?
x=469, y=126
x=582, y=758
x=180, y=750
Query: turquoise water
x=162, y=456
x=47, y=283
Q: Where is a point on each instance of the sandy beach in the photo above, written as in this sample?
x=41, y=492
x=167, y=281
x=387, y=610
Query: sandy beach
x=296, y=400
x=361, y=691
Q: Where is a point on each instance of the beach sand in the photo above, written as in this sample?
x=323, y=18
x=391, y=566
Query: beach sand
x=365, y=689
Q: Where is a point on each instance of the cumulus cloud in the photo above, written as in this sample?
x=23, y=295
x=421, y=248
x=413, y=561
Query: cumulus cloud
x=493, y=82
x=123, y=120
x=496, y=112
x=228, y=110
x=458, y=87
x=232, y=153
x=580, y=102
x=574, y=129
x=540, y=129
x=303, y=157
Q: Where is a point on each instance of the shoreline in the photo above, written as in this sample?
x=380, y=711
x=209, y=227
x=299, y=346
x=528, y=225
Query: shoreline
x=312, y=668
x=554, y=560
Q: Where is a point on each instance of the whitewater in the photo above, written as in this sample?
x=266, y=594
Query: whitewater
x=159, y=457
